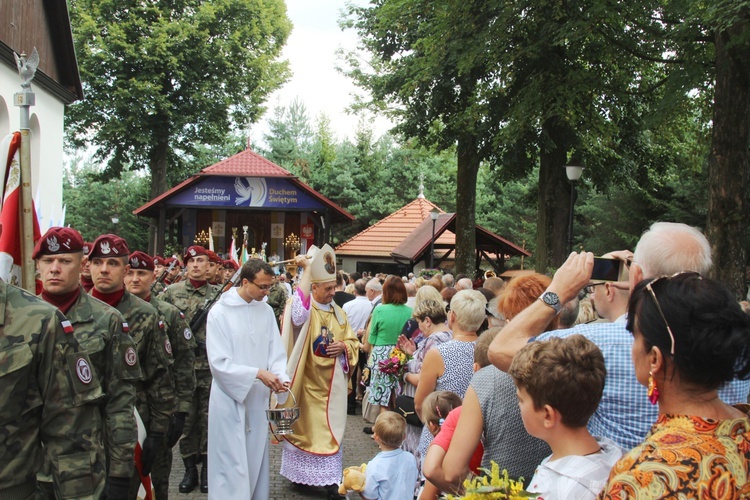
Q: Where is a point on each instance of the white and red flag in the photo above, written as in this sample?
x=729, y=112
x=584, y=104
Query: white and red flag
x=145, y=490
x=10, y=211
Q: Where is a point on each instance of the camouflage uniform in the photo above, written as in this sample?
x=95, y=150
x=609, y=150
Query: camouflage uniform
x=102, y=332
x=50, y=395
x=277, y=298
x=158, y=288
x=155, y=399
x=188, y=300
x=183, y=374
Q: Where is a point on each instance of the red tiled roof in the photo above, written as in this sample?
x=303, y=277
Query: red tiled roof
x=246, y=163
x=380, y=239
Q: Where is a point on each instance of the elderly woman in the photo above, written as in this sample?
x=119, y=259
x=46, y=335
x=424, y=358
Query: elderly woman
x=433, y=327
x=689, y=338
x=449, y=366
x=385, y=326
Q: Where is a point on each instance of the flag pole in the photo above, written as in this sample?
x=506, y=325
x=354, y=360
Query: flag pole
x=24, y=100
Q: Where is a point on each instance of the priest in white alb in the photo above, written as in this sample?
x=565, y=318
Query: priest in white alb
x=248, y=361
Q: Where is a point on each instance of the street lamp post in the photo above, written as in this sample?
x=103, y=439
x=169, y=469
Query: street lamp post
x=573, y=170
x=434, y=214
x=115, y=220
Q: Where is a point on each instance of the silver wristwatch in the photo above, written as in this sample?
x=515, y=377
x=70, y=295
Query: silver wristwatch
x=552, y=300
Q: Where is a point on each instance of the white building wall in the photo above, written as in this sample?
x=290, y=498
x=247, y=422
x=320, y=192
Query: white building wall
x=47, y=122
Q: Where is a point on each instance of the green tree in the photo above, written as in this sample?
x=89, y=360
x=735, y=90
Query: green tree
x=91, y=203
x=163, y=76
x=290, y=138
x=514, y=85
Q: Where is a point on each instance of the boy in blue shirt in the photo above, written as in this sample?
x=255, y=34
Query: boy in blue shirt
x=393, y=471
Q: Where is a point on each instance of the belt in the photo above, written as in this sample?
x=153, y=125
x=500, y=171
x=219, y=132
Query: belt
x=19, y=492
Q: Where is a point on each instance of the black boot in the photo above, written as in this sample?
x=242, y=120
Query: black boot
x=204, y=474
x=190, y=479
x=333, y=492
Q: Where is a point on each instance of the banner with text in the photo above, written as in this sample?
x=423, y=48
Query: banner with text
x=256, y=192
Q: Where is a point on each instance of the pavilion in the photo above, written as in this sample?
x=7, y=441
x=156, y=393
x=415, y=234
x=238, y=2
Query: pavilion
x=400, y=243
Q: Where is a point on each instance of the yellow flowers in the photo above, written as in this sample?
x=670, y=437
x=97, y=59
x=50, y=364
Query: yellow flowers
x=494, y=486
x=400, y=355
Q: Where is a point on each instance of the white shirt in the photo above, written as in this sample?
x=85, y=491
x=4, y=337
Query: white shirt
x=575, y=476
x=358, y=310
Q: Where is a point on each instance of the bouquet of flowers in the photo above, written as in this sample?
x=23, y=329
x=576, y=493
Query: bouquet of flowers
x=495, y=486
x=395, y=365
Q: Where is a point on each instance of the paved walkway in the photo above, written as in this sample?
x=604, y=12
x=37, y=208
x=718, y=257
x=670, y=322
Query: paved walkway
x=358, y=448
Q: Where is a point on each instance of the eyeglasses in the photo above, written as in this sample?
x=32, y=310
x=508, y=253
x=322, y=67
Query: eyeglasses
x=262, y=287
x=649, y=287
x=590, y=288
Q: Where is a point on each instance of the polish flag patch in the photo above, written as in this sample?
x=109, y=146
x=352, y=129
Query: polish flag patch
x=125, y=328
x=67, y=327
x=161, y=325
x=182, y=316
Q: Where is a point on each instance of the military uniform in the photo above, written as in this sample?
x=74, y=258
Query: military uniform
x=188, y=300
x=50, y=394
x=102, y=331
x=183, y=374
x=158, y=288
x=155, y=399
x=277, y=298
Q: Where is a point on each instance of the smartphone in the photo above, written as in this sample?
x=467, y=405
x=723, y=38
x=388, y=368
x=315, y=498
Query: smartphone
x=606, y=269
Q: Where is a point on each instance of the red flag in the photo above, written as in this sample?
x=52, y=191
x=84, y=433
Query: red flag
x=10, y=213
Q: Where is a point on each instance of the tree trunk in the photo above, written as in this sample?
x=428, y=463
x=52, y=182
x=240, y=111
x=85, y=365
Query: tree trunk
x=158, y=167
x=729, y=161
x=466, y=201
x=553, y=210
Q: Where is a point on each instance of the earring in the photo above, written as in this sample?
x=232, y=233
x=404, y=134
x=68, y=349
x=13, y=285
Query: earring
x=653, y=391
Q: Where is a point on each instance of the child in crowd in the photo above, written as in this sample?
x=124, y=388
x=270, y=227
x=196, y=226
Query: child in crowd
x=440, y=412
x=393, y=472
x=559, y=383
x=433, y=462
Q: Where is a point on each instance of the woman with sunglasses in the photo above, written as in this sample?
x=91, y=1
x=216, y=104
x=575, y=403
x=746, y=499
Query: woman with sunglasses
x=690, y=337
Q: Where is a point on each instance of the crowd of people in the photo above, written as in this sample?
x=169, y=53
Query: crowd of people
x=579, y=388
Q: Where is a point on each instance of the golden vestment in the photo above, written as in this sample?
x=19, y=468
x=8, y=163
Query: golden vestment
x=320, y=384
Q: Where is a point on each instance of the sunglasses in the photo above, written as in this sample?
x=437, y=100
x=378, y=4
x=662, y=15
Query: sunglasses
x=650, y=288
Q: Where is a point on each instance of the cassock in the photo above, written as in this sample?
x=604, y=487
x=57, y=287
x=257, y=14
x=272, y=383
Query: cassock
x=241, y=338
x=312, y=455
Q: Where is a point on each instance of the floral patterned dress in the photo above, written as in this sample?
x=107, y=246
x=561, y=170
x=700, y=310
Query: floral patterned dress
x=686, y=457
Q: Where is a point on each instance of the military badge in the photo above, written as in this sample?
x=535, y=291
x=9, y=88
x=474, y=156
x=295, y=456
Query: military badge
x=130, y=357
x=83, y=370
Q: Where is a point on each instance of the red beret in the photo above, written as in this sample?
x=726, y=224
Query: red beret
x=87, y=247
x=194, y=251
x=232, y=264
x=168, y=261
x=213, y=257
x=109, y=245
x=58, y=240
x=159, y=260
x=141, y=260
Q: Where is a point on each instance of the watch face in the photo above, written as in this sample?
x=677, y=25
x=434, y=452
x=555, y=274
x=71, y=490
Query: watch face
x=550, y=298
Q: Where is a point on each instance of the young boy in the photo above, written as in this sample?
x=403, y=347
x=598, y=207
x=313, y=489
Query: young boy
x=559, y=383
x=393, y=472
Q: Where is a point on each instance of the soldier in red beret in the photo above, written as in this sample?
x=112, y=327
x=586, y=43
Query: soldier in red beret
x=155, y=399
x=86, y=281
x=189, y=296
x=212, y=275
x=138, y=281
x=59, y=256
x=230, y=267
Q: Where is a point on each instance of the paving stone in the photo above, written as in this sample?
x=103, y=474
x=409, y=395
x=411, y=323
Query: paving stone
x=358, y=448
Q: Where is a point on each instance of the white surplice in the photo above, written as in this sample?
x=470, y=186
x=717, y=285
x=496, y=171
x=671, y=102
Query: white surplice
x=241, y=338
